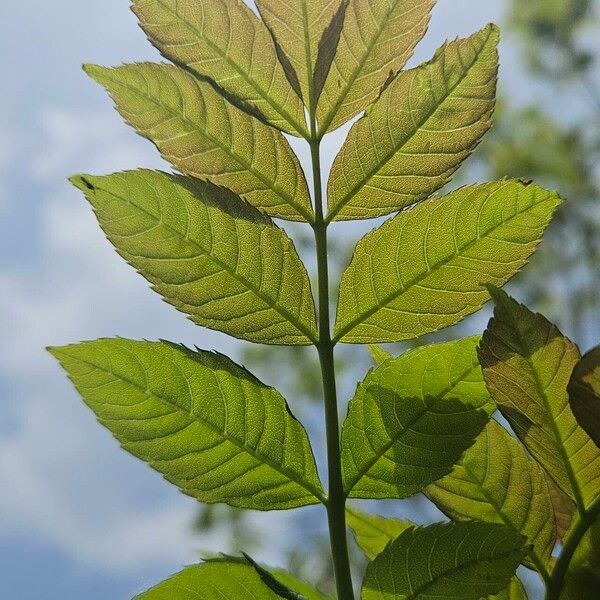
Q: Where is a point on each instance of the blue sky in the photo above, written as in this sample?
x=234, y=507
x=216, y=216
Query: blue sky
x=78, y=517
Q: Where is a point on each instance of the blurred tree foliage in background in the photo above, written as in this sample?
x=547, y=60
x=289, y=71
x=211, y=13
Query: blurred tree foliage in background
x=554, y=138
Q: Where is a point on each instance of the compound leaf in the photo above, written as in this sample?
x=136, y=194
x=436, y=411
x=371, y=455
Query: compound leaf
x=376, y=41
x=202, y=134
x=412, y=418
x=372, y=532
x=206, y=424
x=495, y=481
x=208, y=253
x=426, y=122
x=427, y=267
x=584, y=393
x=527, y=364
x=227, y=43
x=467, y=560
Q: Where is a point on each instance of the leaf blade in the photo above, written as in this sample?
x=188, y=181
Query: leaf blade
x=185, y=414
x=433, y=259
x=584, y=393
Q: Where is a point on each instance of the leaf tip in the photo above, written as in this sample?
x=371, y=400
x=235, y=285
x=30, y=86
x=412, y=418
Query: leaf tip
x=94, y=71
x=82, y=182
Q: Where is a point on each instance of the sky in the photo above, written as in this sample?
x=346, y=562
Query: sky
x=79, y=518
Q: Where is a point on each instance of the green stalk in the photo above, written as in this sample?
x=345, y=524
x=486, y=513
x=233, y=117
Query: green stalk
x=336, y=503
x=581, y=526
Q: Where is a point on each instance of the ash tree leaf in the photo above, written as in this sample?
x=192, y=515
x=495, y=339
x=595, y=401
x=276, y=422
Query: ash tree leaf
x=208, y=253
x=467, y=560
x=376, y=41
x=373, y=532
x=203, y=422
x=201, y=134
x=495, y=481
x=527, y=364
x=424, y=125
x=412, y=418
x=213, y=580
x=427, y=267
x=584, y=393
x=225, y=42
x=297, y=26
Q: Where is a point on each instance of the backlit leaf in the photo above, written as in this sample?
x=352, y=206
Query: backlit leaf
x=514, y=591
x=564, y=508
x=412, y=418
x=582, y=580
x=495, y=481
x=527, y=364
x=426, y=122
x=378, y=354
x=208, y=253
x=427, y=267
x=301, y=587
x=226, y=42
x=465, y=560
x=584, y=393
x=203, y=135
x=376, y=41
x=203, y=422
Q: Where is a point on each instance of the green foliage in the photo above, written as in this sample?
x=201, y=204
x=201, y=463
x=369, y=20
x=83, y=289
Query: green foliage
x=418, y=423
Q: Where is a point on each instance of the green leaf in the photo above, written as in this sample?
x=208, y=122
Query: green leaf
x=297, y=27
x=514, y=591
x=584, y=393
x=218, y=579
x=427, y=267
x=426, y=122
x=208, y=253
x=303, y=588
x=449, y=560
x=378, y=354
x=376, y=41
x=205, y=423
x=495, y=481
x=201, y=134
x=582, y=580
x=372, y=532
x=527, y=364
x=412, y=418
x=227, y=43
x=564, y=508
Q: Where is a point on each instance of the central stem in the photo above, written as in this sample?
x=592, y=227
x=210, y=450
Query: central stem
x=336, y=503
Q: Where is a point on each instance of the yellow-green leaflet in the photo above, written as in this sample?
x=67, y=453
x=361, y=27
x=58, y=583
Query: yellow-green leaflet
x=427, y=267
x=376, y=41
x=584, y=393
x=527, y=364
x=495, y=481
x=514, y=591
x=225, y=41
x=203, y=422
x=426, y=122
x=201, y=134
x=208, y=253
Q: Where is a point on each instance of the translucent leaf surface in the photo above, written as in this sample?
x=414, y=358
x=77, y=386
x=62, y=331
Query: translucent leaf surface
x=208, y=253
x=514, y=591
x=495, y=481
x=227, y=43
x=376, y=41
x=205, y=423
x=582, y=580
x=427, y=267
x=202, y=134
x=451, y=560
x=412, y=418
x=584, y=393
x=527, y=364
x=426, y=122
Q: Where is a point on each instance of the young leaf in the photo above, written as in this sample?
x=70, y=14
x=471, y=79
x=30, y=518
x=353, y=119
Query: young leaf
x=213, y=580
x=274, y=583
x=205, y=136
x=372, y=532
x=297, y=27
x=301, y=587
x=378, y=354
x=227, y=43
x=427, y=267
x=376, y=41
x=426, y=122
x=205, y=423
x=495, y=481
x=514, y=591
x=584, y=393
x=527, y=364
x=448, y=560
x=412, y=418
x=208, y=253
